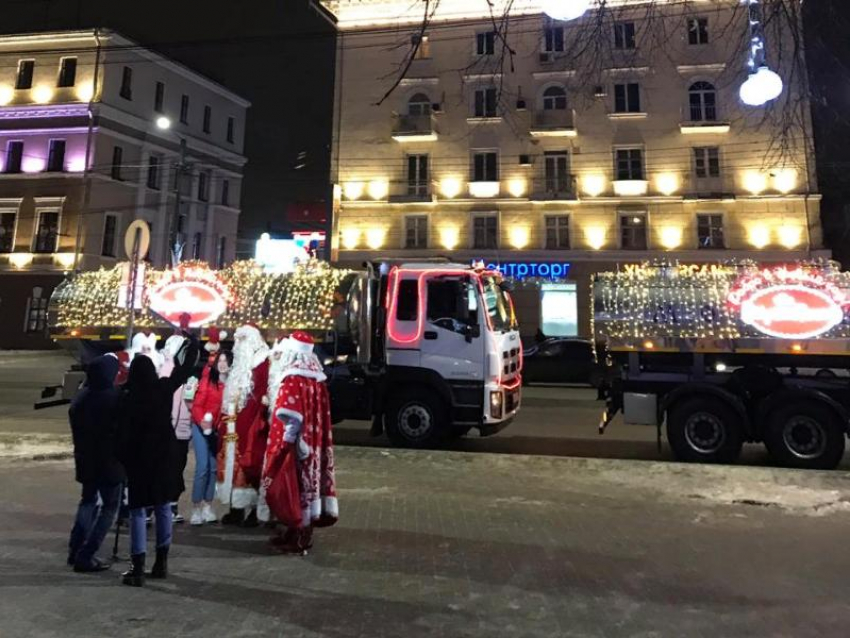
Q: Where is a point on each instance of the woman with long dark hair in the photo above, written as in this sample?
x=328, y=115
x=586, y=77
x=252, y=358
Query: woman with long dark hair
x=206, y=417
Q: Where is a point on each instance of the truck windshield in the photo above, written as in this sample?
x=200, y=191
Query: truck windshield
x=498, y=305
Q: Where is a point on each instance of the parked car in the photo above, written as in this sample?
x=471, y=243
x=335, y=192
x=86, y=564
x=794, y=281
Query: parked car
x=562, y=360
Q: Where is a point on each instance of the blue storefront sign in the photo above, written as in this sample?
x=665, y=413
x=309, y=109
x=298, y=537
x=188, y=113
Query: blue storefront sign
x=524, y=269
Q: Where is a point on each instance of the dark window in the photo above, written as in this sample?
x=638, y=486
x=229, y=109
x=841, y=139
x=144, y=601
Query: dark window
x=117, y=161
x=36, y=319
x=485, y=102
x=67, y=72
x=407, y=303
x=417, y=175
x=184, y=109
x=231, y=129
x=153, y=172
x=207, y=119
x=703, y=101
x=450, y=305
x=485, y=167
x=416, y=231
x=624, y=35
x=7, y=232
x=197, y=243
x=225, y=192
x=627, y=98
x=485, y=232
x=553, y=39
x=56, y=156
x=26, y=68
x=148, y=256
x=419, y=104
x=707, y=161
x=47, y=233
x=633, y=232
x=710, y=231
x=127, y=83
x=14, y=156
x=221, y=260
x=203, y=187
x=423, y=52
x=629, y=163
x=159, y=97
x=557, y=168
x=558, y=232
x=110, y=225
x=555, y=99
x=698, y=31
x=485, y=43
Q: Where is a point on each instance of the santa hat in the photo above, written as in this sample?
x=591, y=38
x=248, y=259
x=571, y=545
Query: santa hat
x=214, y=342
x=140, y=340
x=300, y=342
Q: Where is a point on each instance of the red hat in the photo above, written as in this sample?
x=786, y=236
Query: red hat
x=214, y=339
x=301, y=342
x=185, y=320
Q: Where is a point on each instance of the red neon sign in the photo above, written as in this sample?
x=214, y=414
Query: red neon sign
x=196, y=291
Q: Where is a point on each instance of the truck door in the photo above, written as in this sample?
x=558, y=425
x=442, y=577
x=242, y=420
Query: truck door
x=452, y=340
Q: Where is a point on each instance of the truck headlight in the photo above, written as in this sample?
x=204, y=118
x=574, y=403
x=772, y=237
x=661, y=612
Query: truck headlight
x=496, y=401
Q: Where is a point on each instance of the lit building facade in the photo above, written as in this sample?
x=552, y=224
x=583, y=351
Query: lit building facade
x=81, y=157
x=525, y=162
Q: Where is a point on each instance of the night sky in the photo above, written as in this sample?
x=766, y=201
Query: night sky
x=279, y=54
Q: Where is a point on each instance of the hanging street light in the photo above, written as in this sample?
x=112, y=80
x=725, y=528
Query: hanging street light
x=565, y=9
x=762, y=85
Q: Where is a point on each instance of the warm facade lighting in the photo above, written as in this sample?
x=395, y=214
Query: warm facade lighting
x=704, y=129
x=375, y=238
x=20, y=260
x=790, y=236
x=77, y=164
x=32, y=164
x=42, y=94
x=64, y=260
x=350, y=238
x=593, y=185
x=85, y=92
x=449, y=237
x=7, y=93
x=379, y=188
x=595, y=236
x=671, y=237
x=353, y=190
x=755, y=182
x=630, y=187
x=667, y=183
x=785, y=180
x=517, y=186
x=450, y=187
x=519, y=237
x=759, y=236
x=484, y=189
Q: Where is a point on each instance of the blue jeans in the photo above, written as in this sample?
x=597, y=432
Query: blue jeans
x=139, y=530
x=203, y=487
x=93, y=521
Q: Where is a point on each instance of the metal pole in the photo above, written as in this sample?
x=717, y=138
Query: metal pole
x=131, y=294
x=174, y=243
x=87, y=170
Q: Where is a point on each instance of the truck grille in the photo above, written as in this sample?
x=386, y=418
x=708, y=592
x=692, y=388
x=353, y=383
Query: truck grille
x=510, y=364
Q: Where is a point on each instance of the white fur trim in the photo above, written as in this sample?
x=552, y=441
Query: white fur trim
x=299, y=346
x=300, y=372
x=281, y=412
x=330, y=506
x=264, y=513
x=224, y=490
x=243, y=497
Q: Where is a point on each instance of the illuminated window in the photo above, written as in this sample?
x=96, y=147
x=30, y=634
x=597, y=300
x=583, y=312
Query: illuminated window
x=557, y=232
x=419, y=104
x=627, y=98
x=555, y=99
x=557, y=171
x=56, y=156
x=159, y=97
x=47, y=232
x=67, y=73
x=633, y=231
x=706, y=162
x=36, y=316
x=126, y=83
x=14, y=156
x=110, y=224
x=485, y=232
x=485, y=43
x=416, y=231
x=710, y=231
x=697, y=31
x=485, y=102
x=553, y=39
x=26, y=69
x=629, y=164
x=423, y=52
x=702, y=98
x=624, y=35
x=7, y=231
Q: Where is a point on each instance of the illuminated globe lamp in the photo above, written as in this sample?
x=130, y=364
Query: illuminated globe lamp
x=565, y=9
x=761, y=87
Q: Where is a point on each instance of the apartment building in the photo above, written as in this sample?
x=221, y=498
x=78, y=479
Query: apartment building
x=552, y=171
x=91, y=129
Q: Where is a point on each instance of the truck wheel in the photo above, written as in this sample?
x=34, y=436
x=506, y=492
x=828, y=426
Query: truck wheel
x=704, y=430
x=415, y=419
x=805, y=435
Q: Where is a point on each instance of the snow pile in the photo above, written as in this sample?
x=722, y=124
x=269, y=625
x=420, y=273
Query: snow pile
x=17, y=445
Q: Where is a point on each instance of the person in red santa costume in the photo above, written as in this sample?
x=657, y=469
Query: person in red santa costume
x=244, y=427
x=299, y=453
x=276, y=370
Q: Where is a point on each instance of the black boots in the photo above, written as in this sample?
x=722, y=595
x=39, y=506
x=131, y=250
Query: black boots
x=251, y=519
x=233, y=517
x=160, y=565
x=135, y=577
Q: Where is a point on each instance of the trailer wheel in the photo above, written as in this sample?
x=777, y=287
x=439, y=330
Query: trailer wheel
x=415, y=419
x=805, y=435
x=704, y=430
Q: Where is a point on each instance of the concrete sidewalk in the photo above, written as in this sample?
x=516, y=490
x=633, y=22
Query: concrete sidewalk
x=450, y=544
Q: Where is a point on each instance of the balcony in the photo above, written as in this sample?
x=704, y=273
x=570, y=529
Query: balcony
x=554, y=123
x=630, y=187
x=484, y=190
x=411, y=191
x=702, y=120
x=553, y=188
x=415, y=128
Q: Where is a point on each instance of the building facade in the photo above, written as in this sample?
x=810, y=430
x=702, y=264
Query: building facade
x=555, y=154
x=82, y=156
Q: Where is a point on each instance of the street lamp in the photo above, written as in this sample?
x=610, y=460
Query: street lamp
x=565, y=9
x=163, y=123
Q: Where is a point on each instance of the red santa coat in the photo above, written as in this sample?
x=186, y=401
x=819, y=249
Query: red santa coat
x=304, y=404
x=252, y=426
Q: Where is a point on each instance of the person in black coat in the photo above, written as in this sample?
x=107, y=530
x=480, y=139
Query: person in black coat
x=93, y=416
x=149, y=451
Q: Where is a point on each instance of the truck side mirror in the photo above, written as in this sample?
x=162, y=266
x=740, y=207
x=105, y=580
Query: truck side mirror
x=472, y=332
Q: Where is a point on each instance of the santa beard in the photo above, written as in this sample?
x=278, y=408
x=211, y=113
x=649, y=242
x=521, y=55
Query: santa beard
x=277, y=366
x=240, y=379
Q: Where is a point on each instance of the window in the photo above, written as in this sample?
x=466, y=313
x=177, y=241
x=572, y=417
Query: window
x=159, y=97
x=627, y=98
x=110, y=224
x=225, y=192
x=67, y=72
x=231, y=129
x=407, y=302
x=127, y=83
x=485, y=232
x=14, y=156
x=485, y=102
x=556, y=169
x=557, y=232
x=26, y=68
x=697, y=30
x=629, y=163
x=184, y=109
x=702, y=98
x=154, y=162
x=419, y=104
x=148, y=255
x=47, y=232
x=553, y=39
x=416, y=231
x=452, y=303
x=7, y=232
x=203, y=186
x=424, y=50
x=555, y=99
x=36, y=317
x=417, y=175
x=197, y=244
x=221, y=259
x=207, y=119
x=710, y=231
x=56, y=156
x=624, y=35
x=117, y=161
x=707, y=162
x=633, y=231
x=485, y=43
x=485, y=166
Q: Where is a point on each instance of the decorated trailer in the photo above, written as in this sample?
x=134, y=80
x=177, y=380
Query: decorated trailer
x=723, y=354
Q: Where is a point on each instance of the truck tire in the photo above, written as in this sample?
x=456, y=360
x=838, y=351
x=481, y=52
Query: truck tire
x=704, y=429
x=806, y=435
x=415, y=419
